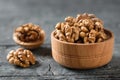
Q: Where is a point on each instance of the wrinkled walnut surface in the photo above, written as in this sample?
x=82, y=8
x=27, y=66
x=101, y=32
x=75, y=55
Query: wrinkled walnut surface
x=28, y=32
x=85, y=28
x=21, y=57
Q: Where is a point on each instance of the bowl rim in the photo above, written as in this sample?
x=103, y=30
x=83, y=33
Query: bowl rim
x=29, y=43
x=109, y=39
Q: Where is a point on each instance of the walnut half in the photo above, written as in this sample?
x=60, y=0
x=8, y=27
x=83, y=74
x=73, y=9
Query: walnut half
x=21, y=57
x=29, y=36
x=85, y=28
x=28, y=32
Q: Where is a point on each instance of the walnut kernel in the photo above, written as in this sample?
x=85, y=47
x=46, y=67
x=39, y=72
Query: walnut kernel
x=21, y=57
x=85, y=28
x=28, y=32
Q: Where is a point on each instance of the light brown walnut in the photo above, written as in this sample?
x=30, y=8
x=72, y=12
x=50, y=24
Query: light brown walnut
x=28, y=32
x=85, y=28
x=21, y=57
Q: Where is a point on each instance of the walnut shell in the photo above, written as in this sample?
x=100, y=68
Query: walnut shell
x=21, y=57
x=29, y=36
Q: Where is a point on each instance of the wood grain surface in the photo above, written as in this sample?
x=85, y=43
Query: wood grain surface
x=47, y=13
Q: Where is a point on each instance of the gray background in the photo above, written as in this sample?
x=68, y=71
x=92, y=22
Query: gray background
x=47, y=13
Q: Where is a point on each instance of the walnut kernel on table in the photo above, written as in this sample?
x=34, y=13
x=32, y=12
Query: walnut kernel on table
x=29, y=32
x=21, y=57
x=85, y=28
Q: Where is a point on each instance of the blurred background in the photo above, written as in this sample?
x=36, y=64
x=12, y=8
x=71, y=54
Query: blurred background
x=47, y=13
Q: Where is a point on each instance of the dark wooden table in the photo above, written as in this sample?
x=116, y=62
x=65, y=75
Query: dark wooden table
x=47, y=13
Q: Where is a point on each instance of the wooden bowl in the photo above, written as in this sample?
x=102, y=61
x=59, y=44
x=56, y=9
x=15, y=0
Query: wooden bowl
x=30, y=45
x=82, y=56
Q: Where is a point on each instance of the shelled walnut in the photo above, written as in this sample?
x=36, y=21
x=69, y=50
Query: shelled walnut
x=85, y=28
x=21, y=57
x=29, y=36
x=28, y=32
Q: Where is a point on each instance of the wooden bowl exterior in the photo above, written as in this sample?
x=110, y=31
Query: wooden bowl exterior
x=30, y=45
x=82, y=56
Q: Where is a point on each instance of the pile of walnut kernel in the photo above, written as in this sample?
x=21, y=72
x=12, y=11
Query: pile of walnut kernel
x=85, y=28
x=21, y=57
x=28, y=32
